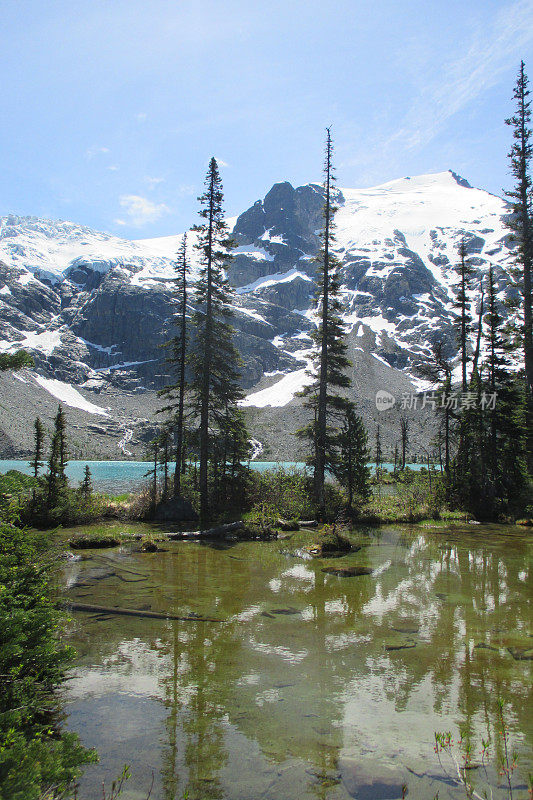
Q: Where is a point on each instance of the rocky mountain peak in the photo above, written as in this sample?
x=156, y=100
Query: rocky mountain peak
x=93, y=309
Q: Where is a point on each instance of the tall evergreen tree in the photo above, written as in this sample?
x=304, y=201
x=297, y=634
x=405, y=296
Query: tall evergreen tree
x=488, y=472
x=324, y=397
x=505, y=423
x=175, y=393
x=165, y=445
x=60, y=430
x=520, y=222
x=404, y=435
x=378, y=454
x=56, y=478
x=37, y=462
x=465, y=275
x=438, y=368
x=214, y=360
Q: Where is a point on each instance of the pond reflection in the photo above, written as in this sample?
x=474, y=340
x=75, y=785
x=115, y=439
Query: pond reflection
x=308, y=684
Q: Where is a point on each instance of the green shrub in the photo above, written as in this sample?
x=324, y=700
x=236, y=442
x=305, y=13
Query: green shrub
x=15, y=491
x=262, y=518
x=286, y=491
x=71, y=507
x=331, y=540
x=34, y=754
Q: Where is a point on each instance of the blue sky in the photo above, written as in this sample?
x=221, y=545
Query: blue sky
x=111, y=108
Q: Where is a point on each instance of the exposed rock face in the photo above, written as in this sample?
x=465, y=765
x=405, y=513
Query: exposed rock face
x=94, y=310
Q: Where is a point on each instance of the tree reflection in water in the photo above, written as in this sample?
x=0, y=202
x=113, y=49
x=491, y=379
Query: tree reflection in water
x=309, y=686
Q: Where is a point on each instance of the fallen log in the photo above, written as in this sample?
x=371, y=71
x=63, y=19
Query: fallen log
x=287, y=524
x=130, y=612
x=211, y=533
x=308, y=523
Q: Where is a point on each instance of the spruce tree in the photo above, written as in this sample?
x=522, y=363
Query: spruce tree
x=175, y=393
x=213, y=358
x=439, y=370
x=324, y=397
x=520, y=222
x=36, y=462
x=52, y=478
x=378, y=452
x=350, y=464
x=57, y=462
x=404, y=435
x=462, y=305
x=505, y=423
x=86, y=486
x=488, y=472
x=164, y=442
x=60, y=430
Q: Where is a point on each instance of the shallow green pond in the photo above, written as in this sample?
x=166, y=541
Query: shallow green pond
x=307, y=684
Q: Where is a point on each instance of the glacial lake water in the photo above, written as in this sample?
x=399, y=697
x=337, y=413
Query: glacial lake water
x=117, y=477
x=304, y=684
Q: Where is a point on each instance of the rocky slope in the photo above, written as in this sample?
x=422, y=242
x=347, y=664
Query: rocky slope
x=94, y=309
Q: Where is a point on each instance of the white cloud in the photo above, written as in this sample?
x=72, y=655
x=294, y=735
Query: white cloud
x=477, y=65
x=153, y=182
x=140, y=211
x=93, y=151
x=141, y=116
x=113, y=168
x=493, y=51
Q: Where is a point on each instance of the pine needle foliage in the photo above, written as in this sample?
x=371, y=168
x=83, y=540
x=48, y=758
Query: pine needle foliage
x=465, y=274
x=326, y=397
x=520, y=221
x=175, y=393
x=213, y=359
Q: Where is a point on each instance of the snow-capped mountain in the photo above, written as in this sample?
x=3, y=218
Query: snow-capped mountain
x=93, y=308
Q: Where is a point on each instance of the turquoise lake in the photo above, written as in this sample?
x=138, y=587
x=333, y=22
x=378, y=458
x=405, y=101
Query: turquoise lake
x=124, y=476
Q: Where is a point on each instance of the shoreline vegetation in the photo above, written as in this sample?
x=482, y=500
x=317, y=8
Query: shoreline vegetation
x=406, y=497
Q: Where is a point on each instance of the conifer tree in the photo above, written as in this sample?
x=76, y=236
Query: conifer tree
x=213, y=359
x=505, y=423
x=404, y=435
x=164, y=442
x=520, y=222
x=464, y=323
x=86, y=486
x=60, y=430
x=52, y=478
x=324, y=397
x=378, y=452
x=177, y=359
x=439, y=370
x=488, y=471
x=57, y=462
x=36, y=463
x=350, y=464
